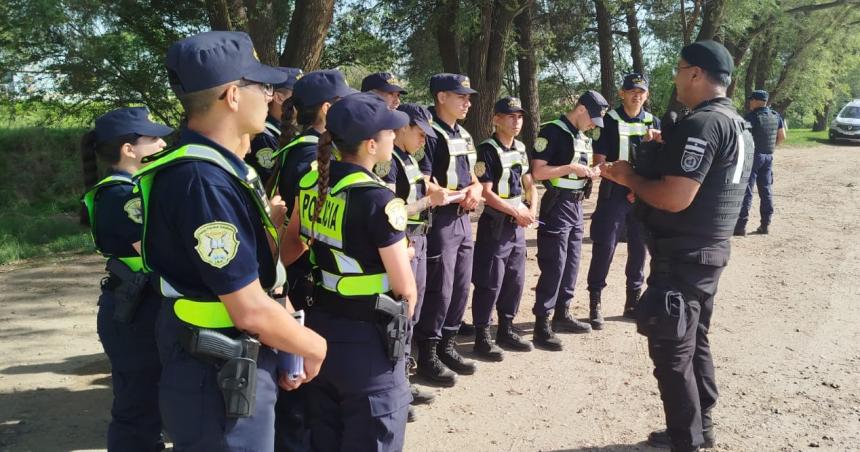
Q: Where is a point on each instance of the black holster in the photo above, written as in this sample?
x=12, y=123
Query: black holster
x=395, y=331
x=497, y=222
x=236, y=360
x=127, y=287
x=662, y=314
x=586, y=191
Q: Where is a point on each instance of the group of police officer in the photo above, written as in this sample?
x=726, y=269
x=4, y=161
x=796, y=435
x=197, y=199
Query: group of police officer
x=359, y=206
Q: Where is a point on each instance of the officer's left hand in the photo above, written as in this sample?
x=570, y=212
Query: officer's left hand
x=653, y=135
x=278, y=212
x=473, y=197
x=287, y=384
x=619, y=171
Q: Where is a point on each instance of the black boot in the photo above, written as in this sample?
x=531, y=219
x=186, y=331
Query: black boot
x=508, y=339
x=740, y=229
x=410, y=415
x=447, y=351
x=484, y=346
x=563, y=322
x=466, y=329
x=419, y=396
x=544, y=337
x=631, y=302
x=708, y=431
x=762, y=229
x=594, y=315
x=430, y=367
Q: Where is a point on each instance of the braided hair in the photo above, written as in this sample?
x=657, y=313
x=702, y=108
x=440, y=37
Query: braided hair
x=328, y=141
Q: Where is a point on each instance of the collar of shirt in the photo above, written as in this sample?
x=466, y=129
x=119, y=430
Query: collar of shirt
x=312, y=131
x=569, y=125
x=717, y=100
x=401, y=153
x=273, y=121
x=188, y=136
x=455, y=130
x=765, y=108
x=119, y=172
x=501, y=145
x=638, y=118
x=340, y=169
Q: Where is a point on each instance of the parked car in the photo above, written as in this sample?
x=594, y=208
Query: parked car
x=846, y=125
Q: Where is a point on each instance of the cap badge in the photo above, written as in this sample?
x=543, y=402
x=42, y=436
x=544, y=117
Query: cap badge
x=465, y=83
x=255, y=54
x=514, y=103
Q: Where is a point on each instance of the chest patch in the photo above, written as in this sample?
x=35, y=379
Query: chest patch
x=132, y=209
x=217, y=243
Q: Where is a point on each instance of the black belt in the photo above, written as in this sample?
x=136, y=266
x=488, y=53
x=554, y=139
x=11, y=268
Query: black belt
x=413, y=229
x=576, y=195
x=362, y=309
x=454, y=209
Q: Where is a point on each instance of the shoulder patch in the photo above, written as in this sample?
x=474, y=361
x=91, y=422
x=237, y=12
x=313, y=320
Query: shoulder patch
x=264, y=158
x=419, y=154
x=540, y=144
x=396, y=212
x=480, y=169
x=382, y=168
x=217, y=243
x=694, y=150
x=133, y=210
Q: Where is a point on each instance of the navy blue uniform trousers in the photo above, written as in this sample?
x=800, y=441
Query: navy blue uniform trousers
x=192, y=405
x=419, y=269
x=559, y=248
x=613, y=211
x=499, y=269
x=761, y=177
x=135, y=369
x=449, y=273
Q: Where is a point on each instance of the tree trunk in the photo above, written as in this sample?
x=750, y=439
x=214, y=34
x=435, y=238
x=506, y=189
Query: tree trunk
x=763, y=66
x=604, y=39
x=446, y=35
x=219, y=15
x=821, y=119
x=261, y=27
x=633, y=37
x=712, y=19
x=306, y=38
x=527, y=66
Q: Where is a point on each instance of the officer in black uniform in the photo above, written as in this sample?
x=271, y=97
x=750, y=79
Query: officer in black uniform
x=690, y=215
x=768, y=130
x=264, y=145
x=386, y=86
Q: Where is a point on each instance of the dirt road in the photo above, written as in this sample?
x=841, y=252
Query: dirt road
x=785, y=337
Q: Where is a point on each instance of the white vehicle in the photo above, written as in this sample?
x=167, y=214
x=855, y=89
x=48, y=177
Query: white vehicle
x=846, y=125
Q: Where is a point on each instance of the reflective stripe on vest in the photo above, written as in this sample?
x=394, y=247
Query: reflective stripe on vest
x=457, y=147
x=280, y=157
x=203, y=314
x=414, y=176
x=509, y=159
x=629, y=129
x=581, y=149
x=348, y=278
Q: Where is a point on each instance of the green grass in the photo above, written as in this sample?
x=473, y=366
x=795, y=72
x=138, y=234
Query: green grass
x=34, y=231
x=805, y=138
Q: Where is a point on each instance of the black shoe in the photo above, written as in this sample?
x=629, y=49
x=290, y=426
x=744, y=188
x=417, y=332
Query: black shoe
x=595, y=317
x=631, y=302
x=563, y=322
x=509, y=339
x=430, y=367
x=466, y=329
x=762, y=229
x=410, y=415
x=484, y=346
x=660, y=439
x=420, y=396
x=740, y=232
x=449, y=356
x=544, y=337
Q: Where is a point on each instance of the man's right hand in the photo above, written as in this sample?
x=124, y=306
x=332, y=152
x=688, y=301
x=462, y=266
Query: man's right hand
x=524, y=217
x=581, y=170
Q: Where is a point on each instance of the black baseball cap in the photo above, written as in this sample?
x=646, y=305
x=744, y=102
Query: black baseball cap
x=125, y=121
x=634, y=80
x=358, y=117
x=317, y=87
x=508, y=105
x=382, y=81
x=709, y=55
x=451, y=82
x=293, y=75
x=759, y=94
x=420, y=116
x=213, y=58
x=596, y=106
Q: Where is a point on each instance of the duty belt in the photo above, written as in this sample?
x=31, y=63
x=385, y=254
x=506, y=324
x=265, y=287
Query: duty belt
x=576, y=195
x=361, y=309
x=453, y=208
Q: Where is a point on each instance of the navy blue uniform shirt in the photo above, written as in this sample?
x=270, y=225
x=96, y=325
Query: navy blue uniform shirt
x=296, y=165
x=262, y=147
x=559, y=145
x=118, y=218
x=397, y=176
x=437, y=158
x=204, y=232
x=752, y=117
x=607, y=143
x=492, y=168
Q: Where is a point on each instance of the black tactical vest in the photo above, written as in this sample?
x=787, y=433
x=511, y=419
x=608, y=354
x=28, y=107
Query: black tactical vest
x=764, y=134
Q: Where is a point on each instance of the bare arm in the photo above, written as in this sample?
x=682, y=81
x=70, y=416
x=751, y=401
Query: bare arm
x=396, y=262
x=531, y=193
x=292, y=246
x=780, y=135
x=495, y=201
x=542, y=171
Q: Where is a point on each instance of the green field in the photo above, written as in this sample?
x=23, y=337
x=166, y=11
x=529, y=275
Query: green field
x=805, y=137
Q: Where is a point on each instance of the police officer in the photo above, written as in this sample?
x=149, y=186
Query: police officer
x=693, y=206
x=384, y=85
x=355, y=227
x=499, y=268
x=623, y=131
x=450, y=157
x=264, y=145
x=768, y=130
x=403, y=175
x=127, y=306
x=209, y=238
x=561, y=158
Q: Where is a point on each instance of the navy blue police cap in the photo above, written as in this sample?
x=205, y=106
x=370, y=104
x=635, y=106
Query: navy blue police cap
x=126, y=121
x=293, y=75
x=759, y=94
x=635, y=80
x=382, y=81
x=596, y=105
x=361, y=116
x=419, y=116
x=457, y=83
x=709, y=55
x=508, y=105
x=317, y=87
x=213, y=58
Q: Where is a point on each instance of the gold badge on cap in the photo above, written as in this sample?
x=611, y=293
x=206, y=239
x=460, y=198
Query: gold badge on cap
x=540, y=144
x=396, y=212
x=514, y=103
x=256, y=57
x=465, y=83
x=299, y=75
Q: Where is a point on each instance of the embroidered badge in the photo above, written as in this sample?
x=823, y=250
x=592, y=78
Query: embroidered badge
x=480, y=169
x=514, y=103
x=419, y=154
x=133, y=210
x=382, y=168
x=396, y=212
x=264, y=157
x=694, y=150
x=540, y=144
x=217, y=243
x=465, y=83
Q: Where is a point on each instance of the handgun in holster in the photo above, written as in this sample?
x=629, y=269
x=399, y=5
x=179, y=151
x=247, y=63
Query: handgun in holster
x=127, y=287
x=395, y=331
x=586, y=191
x=236, y=360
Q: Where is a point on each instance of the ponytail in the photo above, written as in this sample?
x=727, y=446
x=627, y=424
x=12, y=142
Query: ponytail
x=289, y=128
x=89, y=167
